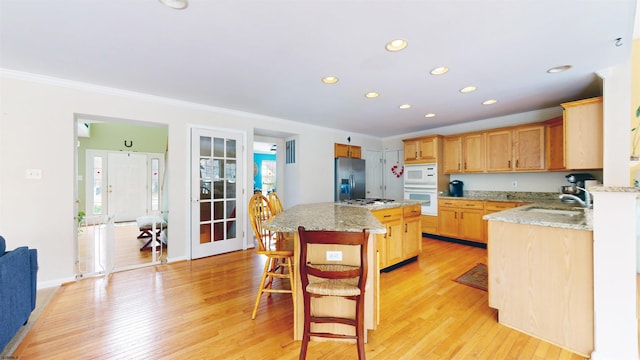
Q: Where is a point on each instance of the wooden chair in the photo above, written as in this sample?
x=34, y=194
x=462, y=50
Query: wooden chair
x=275, y=203
x=279, y=251
x=323, y=279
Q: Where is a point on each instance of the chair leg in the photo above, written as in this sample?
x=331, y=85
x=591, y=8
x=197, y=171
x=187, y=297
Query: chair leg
x=261, y=288
x=360, y=327
x=307, y=327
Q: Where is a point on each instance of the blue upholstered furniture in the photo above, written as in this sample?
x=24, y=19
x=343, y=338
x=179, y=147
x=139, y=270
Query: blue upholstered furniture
x=18, y=270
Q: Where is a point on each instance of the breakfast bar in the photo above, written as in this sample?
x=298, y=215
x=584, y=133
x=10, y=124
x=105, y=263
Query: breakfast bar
x=332, y=217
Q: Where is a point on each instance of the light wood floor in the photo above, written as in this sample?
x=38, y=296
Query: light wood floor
x=202, y=310
x=126, y=248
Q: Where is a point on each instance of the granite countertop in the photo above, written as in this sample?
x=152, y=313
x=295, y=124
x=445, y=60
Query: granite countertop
x=379, y=205
x=507, y=196
x=568, y=216
x=325, y=216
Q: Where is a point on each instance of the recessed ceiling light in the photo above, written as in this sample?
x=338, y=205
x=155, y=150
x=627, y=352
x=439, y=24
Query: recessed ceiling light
x=330, y=80
x=405, y=106
x=439, y=70
x=468, y=89
x=489, y=102
x=430, y=115
x=372, y=94
x=176, y=4
x=558, y=69
x=396, y=45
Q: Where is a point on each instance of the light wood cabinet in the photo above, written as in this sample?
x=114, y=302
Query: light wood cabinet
x=464, y=153
x=491, y=207
x=452, y=155
x=461, y=219
x=347, y=151
x=499, y=150
x=520, y=148
x=423, y=150
x=403, y=239
x=412, y=242
x=541, y=282
x=575, y=141
x=429, y=224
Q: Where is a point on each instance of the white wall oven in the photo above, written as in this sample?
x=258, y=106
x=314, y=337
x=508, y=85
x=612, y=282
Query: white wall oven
x=421, y=184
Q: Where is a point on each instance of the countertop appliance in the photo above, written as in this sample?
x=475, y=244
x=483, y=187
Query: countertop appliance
x=456, y=188
x=421, y=183
x=349, y=179
x=577, y=180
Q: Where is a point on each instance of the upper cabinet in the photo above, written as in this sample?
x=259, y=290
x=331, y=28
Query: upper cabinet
x=347, y=151
x=575, y=140
x=520, y=148
x=422, y=150
x=464, y=153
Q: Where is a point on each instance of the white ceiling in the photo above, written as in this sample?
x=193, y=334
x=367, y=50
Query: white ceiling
x=268, y=57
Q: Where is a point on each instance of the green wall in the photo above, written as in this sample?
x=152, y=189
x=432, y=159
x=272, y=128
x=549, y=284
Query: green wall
x=112, y=136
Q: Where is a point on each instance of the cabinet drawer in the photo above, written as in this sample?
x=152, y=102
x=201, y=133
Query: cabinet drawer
x=388, y=214
x=463, y=204
x=498, y=205
x=410, y=211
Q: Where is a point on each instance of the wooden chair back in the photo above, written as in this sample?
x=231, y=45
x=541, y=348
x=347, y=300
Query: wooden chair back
x=259, y=212
x=276, y=204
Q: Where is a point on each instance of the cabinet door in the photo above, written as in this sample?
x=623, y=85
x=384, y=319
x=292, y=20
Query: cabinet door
x=583, y=134
x=412, y=237
x=382, y=243
x=395, y=236
x=355, y=152
x=428, y=149
x=498, y=152
x=452, y=155
x=474, y=153
x=448, y=222
x=529, y=148
x=471, y=225
x=410, y=150
x=341, y=150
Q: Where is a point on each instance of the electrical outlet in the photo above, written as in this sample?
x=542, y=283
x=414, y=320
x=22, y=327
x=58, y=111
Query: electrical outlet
x=514, y=183
x=334, y=255
x=34, y=174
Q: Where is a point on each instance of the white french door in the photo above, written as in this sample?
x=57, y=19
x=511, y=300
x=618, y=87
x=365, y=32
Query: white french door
x=216, y=192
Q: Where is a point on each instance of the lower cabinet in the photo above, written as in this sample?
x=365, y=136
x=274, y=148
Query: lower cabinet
x=403, y=238
x=491, y=207
x=461, y=219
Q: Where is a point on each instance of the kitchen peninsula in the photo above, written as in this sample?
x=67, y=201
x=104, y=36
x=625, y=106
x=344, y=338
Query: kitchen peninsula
x=540, y=261
x=337, y=217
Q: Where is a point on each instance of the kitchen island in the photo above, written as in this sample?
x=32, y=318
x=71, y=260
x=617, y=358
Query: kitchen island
x=540, y=261
x=333, y=217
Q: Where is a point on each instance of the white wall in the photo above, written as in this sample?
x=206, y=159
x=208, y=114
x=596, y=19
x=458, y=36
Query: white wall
x=37, y=132
x=526, y=182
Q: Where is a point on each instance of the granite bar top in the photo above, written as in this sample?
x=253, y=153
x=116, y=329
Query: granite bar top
x=379, y=205
x=325, y=216
x=533, y=214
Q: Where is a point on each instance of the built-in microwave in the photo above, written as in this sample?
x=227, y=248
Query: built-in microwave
x=421, y=175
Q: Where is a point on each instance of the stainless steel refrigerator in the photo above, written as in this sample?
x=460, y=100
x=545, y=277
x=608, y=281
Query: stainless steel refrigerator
x=349, y=179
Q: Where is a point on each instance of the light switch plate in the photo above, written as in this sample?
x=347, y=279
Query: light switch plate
x=334, y=255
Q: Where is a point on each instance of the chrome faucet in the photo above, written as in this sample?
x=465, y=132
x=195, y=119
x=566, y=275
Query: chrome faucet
x=586, y=203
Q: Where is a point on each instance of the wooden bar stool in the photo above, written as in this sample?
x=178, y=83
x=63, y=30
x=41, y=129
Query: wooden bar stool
x=322, y=278
x=277, y=249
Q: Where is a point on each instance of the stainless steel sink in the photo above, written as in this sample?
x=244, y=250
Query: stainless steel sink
x=556, y=211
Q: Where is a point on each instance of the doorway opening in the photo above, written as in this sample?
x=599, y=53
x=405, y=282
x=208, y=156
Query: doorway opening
x=120, y=180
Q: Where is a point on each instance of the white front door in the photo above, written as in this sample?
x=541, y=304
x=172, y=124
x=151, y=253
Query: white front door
x=217, y=211
x=127, y=185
